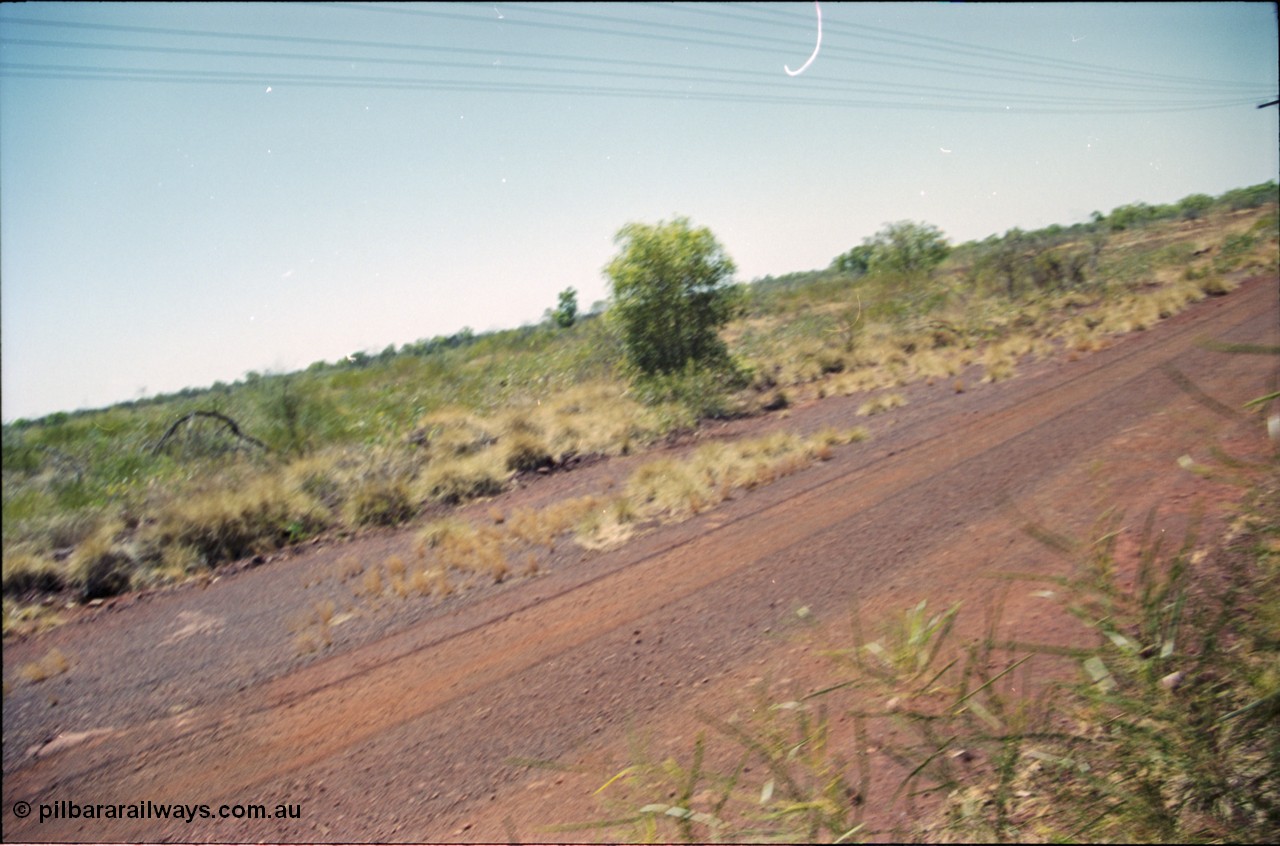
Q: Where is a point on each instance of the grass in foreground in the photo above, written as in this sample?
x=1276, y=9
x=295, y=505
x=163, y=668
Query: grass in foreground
x=1163, y=727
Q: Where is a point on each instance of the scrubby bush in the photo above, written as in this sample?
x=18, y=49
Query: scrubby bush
x=224, y=525
x=907, y=249
x=526, y=451
x=101, y=566
x=107, y=574
x=458, y=481
x=671, y=296
x=25, y=572
x=1194, y=206
x=381, y=502
x=702, y=391
x=1251, y=197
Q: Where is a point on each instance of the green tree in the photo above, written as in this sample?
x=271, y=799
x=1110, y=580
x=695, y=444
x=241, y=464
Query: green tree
x=1194, y=206
x=1129, y=216
x=566, y=313
x=671, y=296
x=907, y=249
x=1007, y=258
x=1251, y=197
x=856, y=262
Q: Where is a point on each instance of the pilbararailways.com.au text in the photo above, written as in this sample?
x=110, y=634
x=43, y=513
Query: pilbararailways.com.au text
x=147, y=810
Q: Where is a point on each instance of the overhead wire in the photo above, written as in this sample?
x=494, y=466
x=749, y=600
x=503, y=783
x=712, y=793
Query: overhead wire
x=835, y=52
x=437, y=13
x=942, y=44
x=950, y=99
x=125, y=74
x=737, y=11
x=884, y=59
x=764, y=80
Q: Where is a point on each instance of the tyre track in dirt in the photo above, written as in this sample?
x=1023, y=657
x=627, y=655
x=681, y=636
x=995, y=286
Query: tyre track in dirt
x=508, y=683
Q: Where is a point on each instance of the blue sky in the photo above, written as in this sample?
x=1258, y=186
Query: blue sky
x=192, y=191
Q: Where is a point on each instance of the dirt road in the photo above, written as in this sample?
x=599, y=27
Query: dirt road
x=406, y=729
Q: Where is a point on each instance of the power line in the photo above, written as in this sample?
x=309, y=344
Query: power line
x=101, y=74
x=941, y=97
x=949, y=45
x=831, y=52
x=767, y=80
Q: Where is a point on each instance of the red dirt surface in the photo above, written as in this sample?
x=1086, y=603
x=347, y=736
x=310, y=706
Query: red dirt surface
x=409, y=725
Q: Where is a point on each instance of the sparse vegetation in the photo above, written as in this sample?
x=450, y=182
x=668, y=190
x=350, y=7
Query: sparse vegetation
x=882, y=403
x=162, y=489
x=1162, y=726
x=53, y=663
x=312, y=630
x=452, y=552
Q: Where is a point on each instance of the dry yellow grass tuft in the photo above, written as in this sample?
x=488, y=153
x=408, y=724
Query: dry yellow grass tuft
x=525, y=451
x=939, y=363
x=609, y=526
x=586, y=418
x=228, y=523
x=24, y=619
x=456, y=480
x=529, y=526
x=671, y=490
x=378, y=501
x=102, y=565
x=453, y=544
x=1079, y=335
x=1000, y=359
x=177, y=562
x=324, y=611
x=541, y=527
x=428, y=582
x=864, y=379
x=441, y=585
x=24, y=570
x=1216, y=286
x=348, y=568
x=453, y=432
x=371, y=584
x=396, y=567
x=880, y=404
x=312, y=630
x=53, y=663
x=397, y=576
x=531, y=566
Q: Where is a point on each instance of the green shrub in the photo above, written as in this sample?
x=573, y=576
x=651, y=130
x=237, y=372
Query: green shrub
x=670, y=296
x=703, y=392
x=1233, y=252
